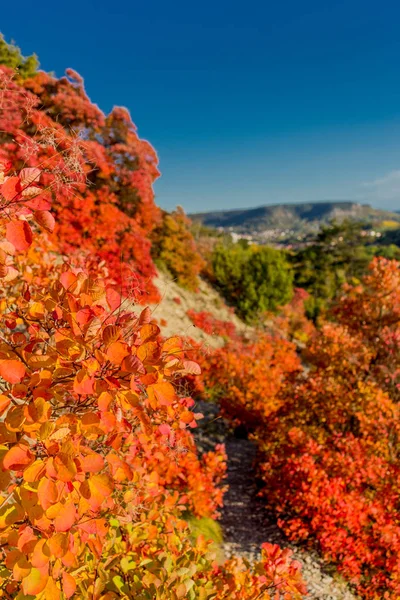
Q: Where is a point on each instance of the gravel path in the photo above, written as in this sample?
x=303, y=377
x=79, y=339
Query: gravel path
x=245, y=522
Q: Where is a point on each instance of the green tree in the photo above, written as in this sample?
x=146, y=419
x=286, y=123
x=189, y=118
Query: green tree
x=254, y=279
x=10, y=55
x=339, y=253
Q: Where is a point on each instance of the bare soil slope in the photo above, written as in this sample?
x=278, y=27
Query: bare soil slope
x=175, y=312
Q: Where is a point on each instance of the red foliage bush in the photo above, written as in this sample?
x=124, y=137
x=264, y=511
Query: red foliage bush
x=211, y=325
x=99, y=182
x=330, y=453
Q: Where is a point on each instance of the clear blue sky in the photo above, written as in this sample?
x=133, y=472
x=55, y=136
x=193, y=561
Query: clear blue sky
x=247, y=103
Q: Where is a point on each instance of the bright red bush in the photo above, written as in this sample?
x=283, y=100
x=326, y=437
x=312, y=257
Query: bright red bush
x=209, y=324
x=99, y=181
x=330, y=459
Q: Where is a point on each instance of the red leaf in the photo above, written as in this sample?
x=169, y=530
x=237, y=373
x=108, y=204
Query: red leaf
x=68, y=279
x=133, y=365
x=19, y=234
x=45, y=219
x=39, y=202
x=145, y=316
x=113, y=298
x=11, y=188
x=29, y=175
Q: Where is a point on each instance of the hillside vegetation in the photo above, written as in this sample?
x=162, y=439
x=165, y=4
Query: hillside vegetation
x=99, y=473
x=103, y=491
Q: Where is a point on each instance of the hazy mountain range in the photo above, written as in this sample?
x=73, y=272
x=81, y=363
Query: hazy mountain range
x=293, y=216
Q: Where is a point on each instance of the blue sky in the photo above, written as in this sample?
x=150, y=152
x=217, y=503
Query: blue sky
x=246, y=103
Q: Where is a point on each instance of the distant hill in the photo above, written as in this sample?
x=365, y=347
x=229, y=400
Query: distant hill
x=296, y=217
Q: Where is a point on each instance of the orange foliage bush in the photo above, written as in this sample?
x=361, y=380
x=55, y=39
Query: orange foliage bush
x=97, y=463
x=246, y=377
x=174, y=246
x=291, y=320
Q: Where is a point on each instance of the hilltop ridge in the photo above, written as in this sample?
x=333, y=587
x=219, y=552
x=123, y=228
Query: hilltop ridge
x=283, y=219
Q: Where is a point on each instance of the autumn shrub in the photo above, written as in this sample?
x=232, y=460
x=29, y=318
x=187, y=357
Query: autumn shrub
x=246, y=377
x=209, y=324
x=329, y=454
x=97, y=463
x=173, y=246
x=291, y=320
x=96, y=171
x=253, y=279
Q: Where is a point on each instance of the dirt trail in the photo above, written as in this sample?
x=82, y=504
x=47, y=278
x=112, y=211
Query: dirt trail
x=245, y=522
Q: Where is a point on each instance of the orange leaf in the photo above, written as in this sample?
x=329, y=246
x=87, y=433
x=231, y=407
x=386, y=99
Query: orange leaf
x=187, y=416
x=111, y=333
x=64, y=467
x=145, y=316
x=66, y=517
x=116, y=352
x=96, y=489
x=4, y=403
x=104, y=401
x=191, y=367
x=19, y=234
x=12, y=370
x=133, y=365
x=18, y=458
x=149, y=331
x=52, y=591
x=92, y=463
x=68, y=280
x=58, y=545
x=34, y=583
x=148, y=352
x=173, y=345
x=27, y=540
x=161, y=393
x=69, y=585
x=47, y=493
x=41, y=554
x=83, y=384
x=35, y=471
